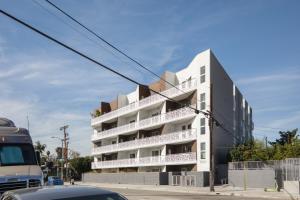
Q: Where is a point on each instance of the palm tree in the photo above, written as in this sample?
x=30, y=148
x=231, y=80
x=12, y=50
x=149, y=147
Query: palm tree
x=40, y=147
x=48, y=155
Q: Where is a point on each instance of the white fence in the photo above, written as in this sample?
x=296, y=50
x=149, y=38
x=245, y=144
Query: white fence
x=172, y=92
x=172, y=159
x=183, y=180
x=169, y=138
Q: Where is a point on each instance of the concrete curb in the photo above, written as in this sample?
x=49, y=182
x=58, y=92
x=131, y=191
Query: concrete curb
x=250, y=194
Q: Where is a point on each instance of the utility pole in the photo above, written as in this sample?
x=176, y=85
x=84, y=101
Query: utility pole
x=62, y=164
x=212, y=156
x=64, y=146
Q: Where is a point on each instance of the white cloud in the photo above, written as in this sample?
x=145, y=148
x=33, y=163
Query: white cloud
x=287, y=122
x=290, y=76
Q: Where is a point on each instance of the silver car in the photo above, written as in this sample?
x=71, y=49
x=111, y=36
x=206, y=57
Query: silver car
x=62, y=193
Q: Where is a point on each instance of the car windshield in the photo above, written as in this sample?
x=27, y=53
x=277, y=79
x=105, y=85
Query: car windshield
x=97, y=197
x=17, y=154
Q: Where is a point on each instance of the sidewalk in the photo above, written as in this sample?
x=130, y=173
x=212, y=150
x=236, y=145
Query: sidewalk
x=219, y=190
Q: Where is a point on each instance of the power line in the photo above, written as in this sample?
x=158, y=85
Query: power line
x=93, y=60
x=126, y=55
x=111, y=45
x=207, y=114
x=92, y=40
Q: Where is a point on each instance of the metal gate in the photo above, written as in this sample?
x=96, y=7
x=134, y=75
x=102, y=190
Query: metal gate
x=183, y=180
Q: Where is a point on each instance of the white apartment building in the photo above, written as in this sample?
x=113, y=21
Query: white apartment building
x=145, y=132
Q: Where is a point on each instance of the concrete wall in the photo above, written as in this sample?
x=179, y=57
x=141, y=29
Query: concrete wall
x=141, y=178
x=264, y=178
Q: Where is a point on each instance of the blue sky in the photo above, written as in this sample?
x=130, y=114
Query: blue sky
x=257, y=42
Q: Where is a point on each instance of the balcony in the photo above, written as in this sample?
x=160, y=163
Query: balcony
x=180, y=136
x=172, y=92
x=145, y=123
x=172, y=159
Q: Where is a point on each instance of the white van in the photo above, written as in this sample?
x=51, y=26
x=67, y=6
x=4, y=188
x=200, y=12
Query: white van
x=19, y=163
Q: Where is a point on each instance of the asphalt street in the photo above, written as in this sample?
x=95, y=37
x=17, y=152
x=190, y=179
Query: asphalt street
x=132, y=194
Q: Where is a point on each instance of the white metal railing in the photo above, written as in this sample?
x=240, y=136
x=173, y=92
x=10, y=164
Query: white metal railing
x=169, y=138
x=148, y=122
x=171, y=159
x=172, y=92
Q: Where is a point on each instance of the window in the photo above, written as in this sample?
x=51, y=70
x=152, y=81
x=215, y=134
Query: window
x=132, y=155
x=183, y=128
x=202, y=126
x=202, y=97
x=155, y=153
x=202, y=79
x=155, y=170
x=189, y=126
x=202, y=150
x=113, y=142
x=202, y=70
x=155, y=133
x=132, y=121
x=202, y=74
x=17, y=154
x=155, y=114
x=187, y=148
x=202, y=101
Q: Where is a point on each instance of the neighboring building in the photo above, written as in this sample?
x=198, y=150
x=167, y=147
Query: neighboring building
x=145, y=132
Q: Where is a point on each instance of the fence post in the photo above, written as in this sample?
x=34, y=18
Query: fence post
x=245, y=176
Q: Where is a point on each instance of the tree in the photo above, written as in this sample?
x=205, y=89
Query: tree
x=250, y=150
x=286, y=137
x=80, y=165
x=58, y=151
x=48, y=154
x=74, y=154
x=287, y=146
x=40, y=147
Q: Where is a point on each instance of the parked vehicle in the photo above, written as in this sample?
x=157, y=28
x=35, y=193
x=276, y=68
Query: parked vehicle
x=62, y=193
x=19, y=164
x=54, y=180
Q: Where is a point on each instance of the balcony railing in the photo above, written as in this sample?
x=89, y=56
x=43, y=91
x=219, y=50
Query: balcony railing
x=172, y=92
x=152, y=121
x=171, y=159
x=180, y=136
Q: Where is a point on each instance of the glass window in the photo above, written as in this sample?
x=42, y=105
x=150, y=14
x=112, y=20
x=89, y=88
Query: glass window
x=183, y=128
x=17, y=154
x=202, y=97
x=202, y=106
x=155, y=153
x=132, y=155
x=202, y=130
x=203, y=155
x=202, y=70
x=202, y=78
x=202, y=150
x=189, y=126
x=202, y=146
x=202, y=122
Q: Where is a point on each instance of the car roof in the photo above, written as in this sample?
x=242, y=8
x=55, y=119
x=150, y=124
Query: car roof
x=58, y=192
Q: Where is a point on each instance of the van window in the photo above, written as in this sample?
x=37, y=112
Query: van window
x=17, y=154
